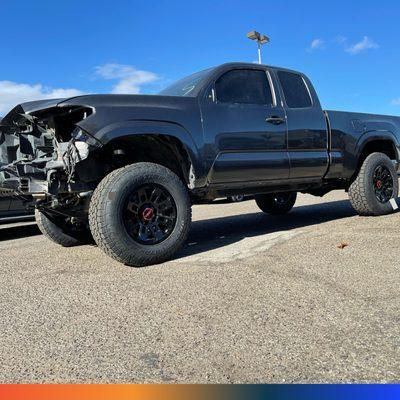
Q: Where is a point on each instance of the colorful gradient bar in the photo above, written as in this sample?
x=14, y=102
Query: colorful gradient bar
x=194, y=392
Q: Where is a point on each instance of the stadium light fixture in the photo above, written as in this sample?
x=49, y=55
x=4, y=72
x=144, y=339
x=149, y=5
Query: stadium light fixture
x=260, y=39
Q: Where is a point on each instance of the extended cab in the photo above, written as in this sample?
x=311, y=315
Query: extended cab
x=125, y=169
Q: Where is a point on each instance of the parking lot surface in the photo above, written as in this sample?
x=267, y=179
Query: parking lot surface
x=313, y=296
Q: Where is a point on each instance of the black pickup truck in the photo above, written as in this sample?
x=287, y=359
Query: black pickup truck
x=124, y=170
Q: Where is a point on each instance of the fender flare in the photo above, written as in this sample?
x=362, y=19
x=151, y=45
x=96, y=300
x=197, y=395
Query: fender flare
x=376, y=135
x=125, y=129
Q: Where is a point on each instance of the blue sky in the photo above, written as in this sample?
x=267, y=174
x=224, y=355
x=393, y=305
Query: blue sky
x=350, y=50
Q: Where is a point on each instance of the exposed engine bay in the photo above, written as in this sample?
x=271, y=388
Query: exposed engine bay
x=40, y=155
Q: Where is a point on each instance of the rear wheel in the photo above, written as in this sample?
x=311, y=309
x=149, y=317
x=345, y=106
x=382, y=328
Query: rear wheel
x=236, y=198
x=61, y=231
x=140, y=214
x=276, y=203
x=375, y=185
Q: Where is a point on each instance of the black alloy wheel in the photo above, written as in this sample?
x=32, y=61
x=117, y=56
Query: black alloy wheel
x=150, y=214
x=383, y=184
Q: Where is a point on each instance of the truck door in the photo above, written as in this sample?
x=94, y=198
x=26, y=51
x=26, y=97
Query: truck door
x=245, y=128
x=307, y=128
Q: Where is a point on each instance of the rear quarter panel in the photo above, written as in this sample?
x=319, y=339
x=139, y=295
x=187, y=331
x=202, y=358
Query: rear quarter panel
x=350, y=132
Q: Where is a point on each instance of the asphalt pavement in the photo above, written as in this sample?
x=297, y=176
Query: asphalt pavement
x=313, y=296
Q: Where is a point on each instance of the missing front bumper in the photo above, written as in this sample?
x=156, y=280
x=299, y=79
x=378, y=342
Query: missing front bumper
x=33, y=161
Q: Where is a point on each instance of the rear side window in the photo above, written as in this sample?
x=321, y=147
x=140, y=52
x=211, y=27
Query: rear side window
x=295, y=90
x=244, y=86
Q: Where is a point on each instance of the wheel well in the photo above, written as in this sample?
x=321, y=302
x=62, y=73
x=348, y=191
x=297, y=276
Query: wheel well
x=384, y=146
x=377, y=146
x=160, y=149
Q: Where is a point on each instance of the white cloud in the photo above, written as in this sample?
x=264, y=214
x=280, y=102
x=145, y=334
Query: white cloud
x=13, y=93
x=395, y=102
x=129, y=79
x=365, y=44
x=316, y=44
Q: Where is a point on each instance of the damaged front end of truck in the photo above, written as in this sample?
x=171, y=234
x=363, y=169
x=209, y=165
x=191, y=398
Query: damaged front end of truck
x=43, y=151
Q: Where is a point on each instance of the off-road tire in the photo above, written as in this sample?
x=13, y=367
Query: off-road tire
x=60, y=232
x=361, y=192
x=106, y=214
x=268, y=204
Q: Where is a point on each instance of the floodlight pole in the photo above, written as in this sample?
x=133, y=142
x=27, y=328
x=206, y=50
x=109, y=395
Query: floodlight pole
x=260, y=39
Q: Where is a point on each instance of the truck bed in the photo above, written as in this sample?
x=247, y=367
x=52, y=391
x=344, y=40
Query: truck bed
x=349, y=132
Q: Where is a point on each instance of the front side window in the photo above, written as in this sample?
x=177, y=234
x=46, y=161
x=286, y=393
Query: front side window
x=245, y=86
x=295, y=90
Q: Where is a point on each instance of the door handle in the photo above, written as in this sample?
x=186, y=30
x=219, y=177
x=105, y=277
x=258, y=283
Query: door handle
x=274, y=119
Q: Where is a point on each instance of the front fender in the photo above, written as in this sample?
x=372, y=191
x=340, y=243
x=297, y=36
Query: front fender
x=124, y=129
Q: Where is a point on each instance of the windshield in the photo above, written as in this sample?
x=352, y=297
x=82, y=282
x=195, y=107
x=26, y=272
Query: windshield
x=186, y=87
